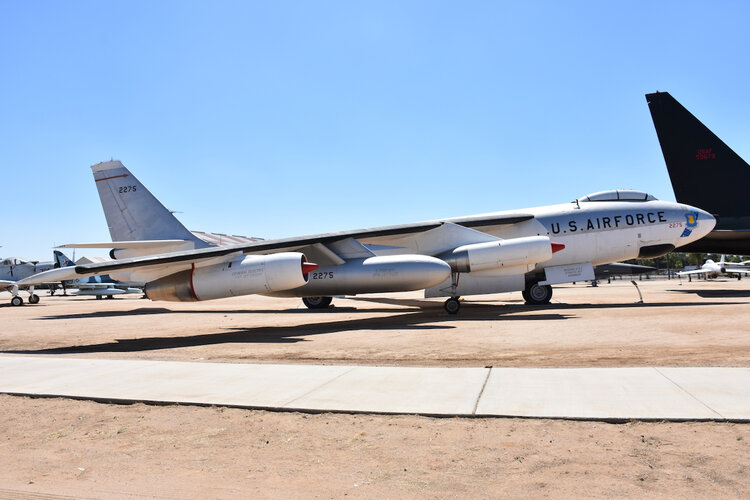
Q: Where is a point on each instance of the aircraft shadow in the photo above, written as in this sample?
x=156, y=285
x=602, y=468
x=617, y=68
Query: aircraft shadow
x=402, y=321
x=519, y=306
x=412, y=318
x=471, y=307
x=160, y=310
x=719, y=294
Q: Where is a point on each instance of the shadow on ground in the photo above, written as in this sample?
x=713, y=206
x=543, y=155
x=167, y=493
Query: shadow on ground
x=715, y=294
x=416, y=315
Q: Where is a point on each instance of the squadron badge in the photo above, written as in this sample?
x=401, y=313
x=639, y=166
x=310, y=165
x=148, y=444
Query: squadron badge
x=692, y=222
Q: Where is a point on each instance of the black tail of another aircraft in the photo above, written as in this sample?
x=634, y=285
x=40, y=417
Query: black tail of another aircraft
x=694, y=156
x=705, y=173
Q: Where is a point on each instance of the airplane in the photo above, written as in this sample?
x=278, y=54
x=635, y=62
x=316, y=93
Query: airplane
x=711, y=268
x=524, y=250
x=705, y=173
x=13, y=269
x=96, y=286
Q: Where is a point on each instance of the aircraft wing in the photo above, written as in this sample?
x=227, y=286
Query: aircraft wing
x=694, y=271
x=737, y=270
x=619, y=268
x=154, y=266
x=6, y=285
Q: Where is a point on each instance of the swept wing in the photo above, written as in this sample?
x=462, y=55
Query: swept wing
x=154, y=266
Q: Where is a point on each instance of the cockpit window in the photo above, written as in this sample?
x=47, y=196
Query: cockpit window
x=618, y=195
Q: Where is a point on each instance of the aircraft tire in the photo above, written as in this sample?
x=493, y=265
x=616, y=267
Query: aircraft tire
x=33, y=298
x=536, y=294
x=16, y=301
x=452, y=305
x=317, y=302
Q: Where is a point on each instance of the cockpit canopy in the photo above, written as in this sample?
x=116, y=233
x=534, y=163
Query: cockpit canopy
x=617, y=195
x=13, y=261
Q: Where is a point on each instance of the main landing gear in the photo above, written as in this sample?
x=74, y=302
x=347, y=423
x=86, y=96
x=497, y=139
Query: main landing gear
x=17, y=300
x=452, y=305
x=536, y=294
x=317, y=302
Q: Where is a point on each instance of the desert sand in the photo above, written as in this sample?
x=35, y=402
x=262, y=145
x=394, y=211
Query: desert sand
x=84, y=449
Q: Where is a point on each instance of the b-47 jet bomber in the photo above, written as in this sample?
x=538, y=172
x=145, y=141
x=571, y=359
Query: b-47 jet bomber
x=526, y=250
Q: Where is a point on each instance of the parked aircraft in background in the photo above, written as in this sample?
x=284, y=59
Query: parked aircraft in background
x=712, y=269
x=13, y=269
x=489, y=253
x=705, y=173
x=96, y=286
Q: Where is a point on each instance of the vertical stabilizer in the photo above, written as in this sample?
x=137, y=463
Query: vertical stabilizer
x=132, y=212
x=62, y=260
x=705, y=172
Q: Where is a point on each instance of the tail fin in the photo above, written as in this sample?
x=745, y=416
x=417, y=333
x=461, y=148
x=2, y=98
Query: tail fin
x=132, y=212
x=62, y=260
x=693, y=155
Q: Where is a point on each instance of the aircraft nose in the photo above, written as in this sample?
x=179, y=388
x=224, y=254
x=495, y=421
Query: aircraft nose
x=705, y=222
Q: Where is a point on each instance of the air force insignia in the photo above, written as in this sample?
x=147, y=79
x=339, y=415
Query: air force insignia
x=692, y=222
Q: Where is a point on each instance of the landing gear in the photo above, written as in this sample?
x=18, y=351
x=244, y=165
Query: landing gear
x=536, y=294
x=452, y=305
x=33, y=298
x=317, y=302
x=16, y=301
x=98, y=297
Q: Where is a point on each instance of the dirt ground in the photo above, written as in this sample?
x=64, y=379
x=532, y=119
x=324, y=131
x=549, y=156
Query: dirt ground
x=92, y=450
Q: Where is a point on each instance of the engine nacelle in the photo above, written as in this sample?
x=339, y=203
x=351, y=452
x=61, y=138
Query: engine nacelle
x=391, y=273
x=252, y=274
x=515, y=255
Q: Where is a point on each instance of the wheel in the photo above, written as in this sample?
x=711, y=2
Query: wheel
x=317, y=302
x=536, y=294
x=452, y=305
x=110, y=296
x=33, y=298
x=16, y=301
x=98, y=297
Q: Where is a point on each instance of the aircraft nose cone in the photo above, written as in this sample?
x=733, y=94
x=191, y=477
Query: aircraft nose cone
x=705, y=222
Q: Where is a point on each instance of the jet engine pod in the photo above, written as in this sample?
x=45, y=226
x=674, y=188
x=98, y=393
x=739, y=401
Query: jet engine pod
x=502, y=254
x=252, y=274
x=392, y=273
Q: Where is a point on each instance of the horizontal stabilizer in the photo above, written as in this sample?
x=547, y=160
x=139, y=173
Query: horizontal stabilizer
x=106, y=291
x=127, y=244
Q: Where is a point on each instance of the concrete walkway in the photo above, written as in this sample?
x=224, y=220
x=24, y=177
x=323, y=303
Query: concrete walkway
x=578, y=393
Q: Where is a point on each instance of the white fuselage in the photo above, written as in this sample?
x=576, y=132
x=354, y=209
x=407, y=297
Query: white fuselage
x=595, y=232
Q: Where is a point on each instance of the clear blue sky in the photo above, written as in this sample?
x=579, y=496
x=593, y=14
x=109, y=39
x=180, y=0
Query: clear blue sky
x=277, y=119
